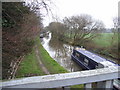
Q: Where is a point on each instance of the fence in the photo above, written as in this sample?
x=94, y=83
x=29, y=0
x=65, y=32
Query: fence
x=104, y=78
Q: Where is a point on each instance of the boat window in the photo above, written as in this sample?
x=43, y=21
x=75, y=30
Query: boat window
x=100, y=65
x=86, y=61
x=96, y=66
x=77, y=55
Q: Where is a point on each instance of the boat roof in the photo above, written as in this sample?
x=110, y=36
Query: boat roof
x=95, y=57
x=90, y=55
x=108, y=63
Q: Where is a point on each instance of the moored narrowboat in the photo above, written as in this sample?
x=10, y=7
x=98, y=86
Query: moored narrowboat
x=88, y=60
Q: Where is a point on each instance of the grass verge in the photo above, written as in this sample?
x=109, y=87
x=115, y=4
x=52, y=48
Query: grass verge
x=29, y=66
x=52, y=66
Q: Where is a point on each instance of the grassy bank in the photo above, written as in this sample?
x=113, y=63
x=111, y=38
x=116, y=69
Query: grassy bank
x=29, y=66
x=52, y=66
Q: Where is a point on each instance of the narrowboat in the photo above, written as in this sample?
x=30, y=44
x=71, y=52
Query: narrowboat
x=88, y=60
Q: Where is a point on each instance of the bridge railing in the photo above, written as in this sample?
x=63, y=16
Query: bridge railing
x=104, y=78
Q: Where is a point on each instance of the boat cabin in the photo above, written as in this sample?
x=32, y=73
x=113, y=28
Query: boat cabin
x=88, y=60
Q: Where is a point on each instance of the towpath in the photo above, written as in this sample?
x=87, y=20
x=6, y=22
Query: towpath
x=37, y=52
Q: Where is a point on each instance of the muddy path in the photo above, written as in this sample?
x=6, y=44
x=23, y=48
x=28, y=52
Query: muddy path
x=42, y=66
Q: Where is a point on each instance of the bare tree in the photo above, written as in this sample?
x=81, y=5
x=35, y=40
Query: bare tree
x=83, y=28
x=57, y=29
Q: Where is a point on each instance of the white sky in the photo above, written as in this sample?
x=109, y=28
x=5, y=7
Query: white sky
x=104, y=10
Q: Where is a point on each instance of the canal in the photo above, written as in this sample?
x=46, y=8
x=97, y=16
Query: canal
x=61, y=52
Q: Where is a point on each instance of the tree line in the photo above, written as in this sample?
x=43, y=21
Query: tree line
x=76, y=29
x=82, y=30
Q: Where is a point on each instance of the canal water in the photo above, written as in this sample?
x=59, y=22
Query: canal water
x=60, y=52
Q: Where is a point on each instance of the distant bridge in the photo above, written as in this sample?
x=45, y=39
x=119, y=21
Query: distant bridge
x=104, y=78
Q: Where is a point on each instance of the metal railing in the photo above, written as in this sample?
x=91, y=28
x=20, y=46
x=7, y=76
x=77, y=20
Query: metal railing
x=104, y=78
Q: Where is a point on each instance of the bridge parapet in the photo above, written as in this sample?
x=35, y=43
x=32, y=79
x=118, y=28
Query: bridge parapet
x=86, y=77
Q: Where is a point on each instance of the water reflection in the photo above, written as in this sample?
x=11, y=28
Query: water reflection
x=60, y=52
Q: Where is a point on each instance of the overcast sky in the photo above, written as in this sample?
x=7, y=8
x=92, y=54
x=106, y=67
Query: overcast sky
x=104, y=10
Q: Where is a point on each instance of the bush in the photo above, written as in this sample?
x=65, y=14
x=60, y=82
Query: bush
x=20, y=26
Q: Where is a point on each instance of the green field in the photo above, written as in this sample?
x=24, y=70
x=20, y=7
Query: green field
x=103, y=39
x=105, y=44
x=106, y=39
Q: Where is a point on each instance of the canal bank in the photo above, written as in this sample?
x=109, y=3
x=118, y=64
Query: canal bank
x=31, y=66
x=52, y=66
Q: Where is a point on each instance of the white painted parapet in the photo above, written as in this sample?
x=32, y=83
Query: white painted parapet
x=66, y=79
